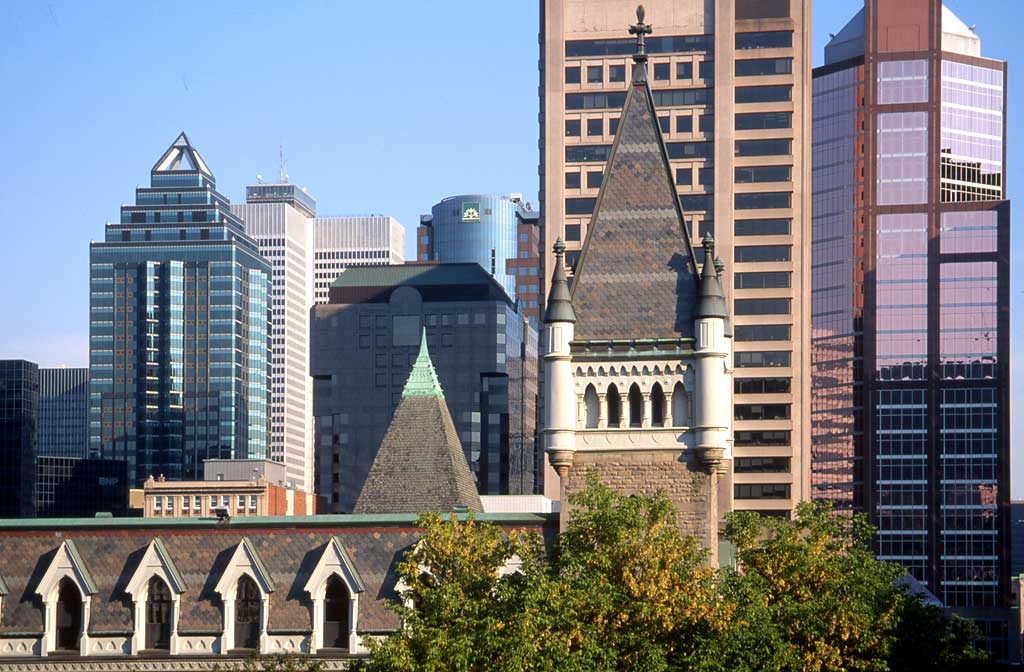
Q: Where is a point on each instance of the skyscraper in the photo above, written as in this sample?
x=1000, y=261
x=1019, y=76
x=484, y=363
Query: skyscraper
x=306, y=253
x=497, y=232
x=19, y=414
x=63, y=412
x=178, y=328
x=278, y=217
x=730, y=81
x=366, y=339
x=911, y=323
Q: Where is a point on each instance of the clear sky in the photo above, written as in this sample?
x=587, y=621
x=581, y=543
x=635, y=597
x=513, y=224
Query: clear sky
x=379, y=111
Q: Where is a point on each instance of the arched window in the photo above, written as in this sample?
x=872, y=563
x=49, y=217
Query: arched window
x=657, y=406
x=69, y=616
x=680, y=407
x=593, y=406
x=614, y=406
x=247, y=613
x=336, y=601
x=159, y=609
x=636, y=406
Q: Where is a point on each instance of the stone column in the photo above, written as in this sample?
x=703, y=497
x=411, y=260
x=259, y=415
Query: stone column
x=645, y=420
x=602, y=411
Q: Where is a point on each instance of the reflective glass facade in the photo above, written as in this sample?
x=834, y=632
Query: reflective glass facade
x=178, y=329
x=19, y=414
x=63, y=412
x=910, y=324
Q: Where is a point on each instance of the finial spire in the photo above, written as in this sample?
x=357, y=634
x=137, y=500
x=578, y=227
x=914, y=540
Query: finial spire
x=423, y=380
x=640, y=29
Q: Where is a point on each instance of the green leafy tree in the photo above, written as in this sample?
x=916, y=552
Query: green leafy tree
x=929, y=639
x=813, y=594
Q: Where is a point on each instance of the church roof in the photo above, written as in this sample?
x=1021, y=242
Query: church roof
x=420, y=465
x=181, y=156
x=637, y=274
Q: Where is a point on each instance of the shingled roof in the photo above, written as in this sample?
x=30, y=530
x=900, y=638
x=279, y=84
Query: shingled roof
x=420, y=465
x=636, y=277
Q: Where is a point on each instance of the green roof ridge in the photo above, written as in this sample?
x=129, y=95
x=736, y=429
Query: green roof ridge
x=423, y=380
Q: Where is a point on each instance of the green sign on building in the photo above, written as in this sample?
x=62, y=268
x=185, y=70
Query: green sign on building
x=470, y=212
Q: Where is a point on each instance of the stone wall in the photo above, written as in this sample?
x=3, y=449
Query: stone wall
x=688, y=485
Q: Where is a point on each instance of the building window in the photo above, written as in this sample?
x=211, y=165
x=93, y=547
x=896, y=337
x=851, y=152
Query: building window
x=759, y=121
x=572, y=180
x=572, y=75
x=769, y=147
x=762, y=437
x=762, y=306
x=684, y=70
x=579, y=206
x=680, y=406
x=761, y=385
x=763, y=200
x=594, y=74
x=761, y=411
x=684, y=176
x=613, y=126
x=684, y=123
x=198, y=503
x=247, y=613
x=754, y=174
x=614, y=404
x=241, y=502
x=68, y=616
x=761, y=491
x=761, y=253
x=757, y=359
x=706, y=70
x=779, y=93
x=775, y=39
x=616, y=73
x=572, y=232
x=572, y=128
x=158, y=502
x=225, y=501
x=665, y=123
x=760, y=465
x=657, y=406
x=594, y=179
x=761, y=227
x=764, y=66
x=636, y=406
x=252, y=502
x=159, y=610
x=213, y=502
x=661, y=71
x=595, y=127
x=336, y=607
x=762, y=280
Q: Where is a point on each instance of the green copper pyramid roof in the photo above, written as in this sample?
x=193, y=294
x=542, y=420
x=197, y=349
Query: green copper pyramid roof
x=423, y=380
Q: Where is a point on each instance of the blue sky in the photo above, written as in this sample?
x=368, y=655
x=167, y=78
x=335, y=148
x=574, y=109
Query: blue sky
x=378, y=112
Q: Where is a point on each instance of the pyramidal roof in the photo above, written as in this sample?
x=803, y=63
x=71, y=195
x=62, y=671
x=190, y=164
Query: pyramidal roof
x=636, y=277
x=181, y=156
x=420, y=465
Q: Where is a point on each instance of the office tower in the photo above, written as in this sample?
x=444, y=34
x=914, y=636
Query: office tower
x=730, y=81
x=364, y=343
x=498, y=232
x=63, y=412
x=911, y=286
x=76, y=487
x=347, y=242
x=278, y=217
x=178, y=332
x=19, y=414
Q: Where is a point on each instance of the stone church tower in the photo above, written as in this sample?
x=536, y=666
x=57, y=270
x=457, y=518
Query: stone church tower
x=638, y=353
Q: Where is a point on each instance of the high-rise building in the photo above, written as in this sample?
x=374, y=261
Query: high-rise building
x=63, y=412
x=19, y=415
x=731, y=86
x=348, y=242
x=178, y=328
x=911, y=326
x=74, y=487
x=278, y=217
x=498, y=232
x=364, y=343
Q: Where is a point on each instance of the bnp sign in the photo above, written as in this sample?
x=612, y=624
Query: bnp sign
x=470, y=212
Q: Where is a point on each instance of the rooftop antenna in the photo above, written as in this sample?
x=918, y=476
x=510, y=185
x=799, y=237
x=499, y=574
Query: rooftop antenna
x=280, y=153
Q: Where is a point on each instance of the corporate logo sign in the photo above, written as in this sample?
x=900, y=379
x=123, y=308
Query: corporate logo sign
x=470, y=212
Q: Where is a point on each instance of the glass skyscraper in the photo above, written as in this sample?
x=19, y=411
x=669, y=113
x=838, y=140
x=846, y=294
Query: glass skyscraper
x=63, y=412
x=910, y=305
x=178, y=328
x=19, y=413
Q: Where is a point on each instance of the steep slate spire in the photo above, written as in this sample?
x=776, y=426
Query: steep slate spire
x=637, y=274
x=712, y=298
x=423, y=380
x=559, y=300
x=420, y=465
x=181, y=156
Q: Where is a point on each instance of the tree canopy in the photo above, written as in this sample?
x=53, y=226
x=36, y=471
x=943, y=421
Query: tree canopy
x=622, y=589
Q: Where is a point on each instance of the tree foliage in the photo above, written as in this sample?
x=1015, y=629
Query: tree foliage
x=622, y=589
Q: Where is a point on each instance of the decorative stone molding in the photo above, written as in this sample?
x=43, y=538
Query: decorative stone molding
x=66, y=564
x=20, y=646
x=244, y=560
x=334, y=561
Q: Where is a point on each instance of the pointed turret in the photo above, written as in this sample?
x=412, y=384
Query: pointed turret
x=712, y=298
x=180, y=157
x=420, y=465
x=559, y=304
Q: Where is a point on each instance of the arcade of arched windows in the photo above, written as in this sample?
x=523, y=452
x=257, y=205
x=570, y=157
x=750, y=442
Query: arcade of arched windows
x=633, y=397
